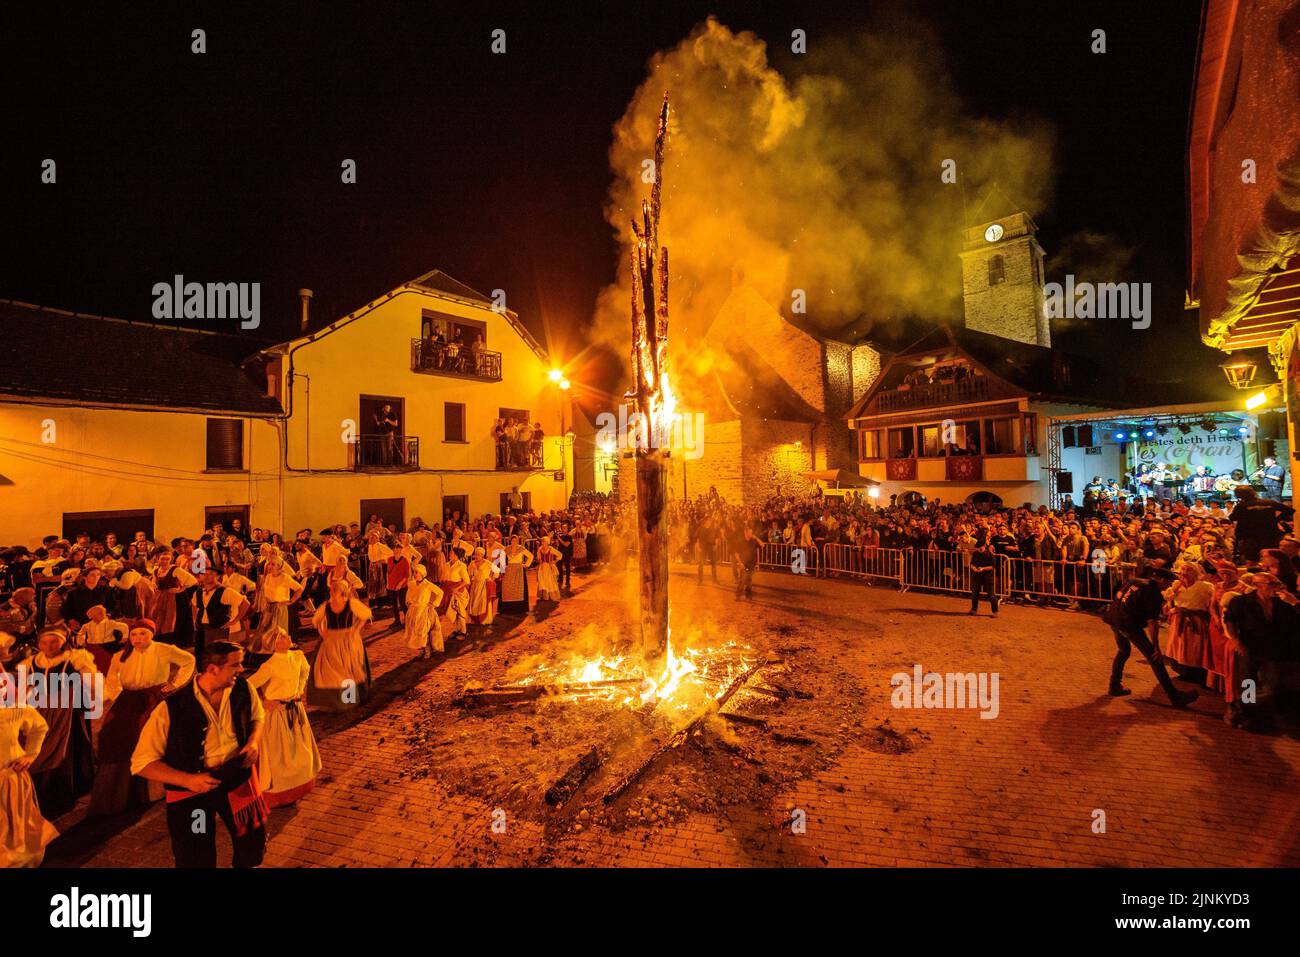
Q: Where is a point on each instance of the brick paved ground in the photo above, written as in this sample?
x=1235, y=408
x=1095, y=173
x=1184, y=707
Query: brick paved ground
x=1177, y=788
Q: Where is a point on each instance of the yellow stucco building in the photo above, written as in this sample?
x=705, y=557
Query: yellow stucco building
x=108, y=424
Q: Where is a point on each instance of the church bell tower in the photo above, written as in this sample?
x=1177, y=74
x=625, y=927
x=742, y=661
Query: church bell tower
x=1002, y=272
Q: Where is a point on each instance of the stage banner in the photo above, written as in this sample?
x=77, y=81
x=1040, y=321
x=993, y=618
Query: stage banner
x=900, y=470
x=1220, y=453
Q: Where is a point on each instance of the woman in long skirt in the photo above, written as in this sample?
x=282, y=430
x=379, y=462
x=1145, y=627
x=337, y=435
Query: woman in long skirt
x=24, y=831
x=65, y=768
x=289, y=759
x=1228, y=587
x=141, y=675
x=279, y=591
x=514, y=583
x=482, y=589
x=423, y=624
x=1188, y=646
x=377, y=555
x=440, y=572
x=171, y=583
x=548, y=579
x=340, y=676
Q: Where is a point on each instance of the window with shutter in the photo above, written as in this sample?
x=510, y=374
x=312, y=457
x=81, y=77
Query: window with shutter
x=454, y=422
x=225, y=445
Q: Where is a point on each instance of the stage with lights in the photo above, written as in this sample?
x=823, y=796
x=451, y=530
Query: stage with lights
x=1228, y=439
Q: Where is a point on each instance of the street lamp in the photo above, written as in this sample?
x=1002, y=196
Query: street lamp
x=1240, y=372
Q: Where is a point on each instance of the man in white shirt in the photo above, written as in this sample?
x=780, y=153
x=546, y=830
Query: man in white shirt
x=203, y=745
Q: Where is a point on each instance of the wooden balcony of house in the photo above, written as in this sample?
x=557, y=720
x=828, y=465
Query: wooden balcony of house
x=438, y=358
x=956, y=469
x=386, y=453
x=956, y=392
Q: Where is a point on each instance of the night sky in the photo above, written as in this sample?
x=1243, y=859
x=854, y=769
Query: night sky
x=226, y=166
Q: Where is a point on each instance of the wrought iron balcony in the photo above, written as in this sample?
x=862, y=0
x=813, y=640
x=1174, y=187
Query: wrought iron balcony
x=936, y=393
x=386, y=453
x=515, y=459
x=438, y=358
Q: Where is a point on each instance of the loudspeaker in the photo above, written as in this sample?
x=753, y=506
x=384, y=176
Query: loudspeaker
x=1064, y=482
x=1068, y=437
x=1084, y=436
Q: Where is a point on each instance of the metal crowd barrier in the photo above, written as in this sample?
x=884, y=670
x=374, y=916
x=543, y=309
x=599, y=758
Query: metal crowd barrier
x=1070, y=581
x=783, y=555
x=937, y=570
x=947, y=571
x=870, y=562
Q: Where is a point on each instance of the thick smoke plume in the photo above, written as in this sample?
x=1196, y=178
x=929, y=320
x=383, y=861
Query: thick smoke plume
x=825, y=177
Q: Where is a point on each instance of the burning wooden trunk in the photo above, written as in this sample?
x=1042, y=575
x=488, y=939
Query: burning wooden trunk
x=653, y=400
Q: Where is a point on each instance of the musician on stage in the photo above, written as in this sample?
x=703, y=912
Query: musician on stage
x=1142, y=480
x=1272, y=476
x=1201, y=485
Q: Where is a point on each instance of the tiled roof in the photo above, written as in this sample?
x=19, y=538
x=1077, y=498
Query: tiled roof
x=54, y=355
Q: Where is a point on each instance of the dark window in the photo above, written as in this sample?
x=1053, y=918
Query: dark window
x=997, y=271
x=451, y=504
x=391, y=511
x=453, y=422
x=902, y=443
x=226, y=515
x=123, y=524
x=225, y=445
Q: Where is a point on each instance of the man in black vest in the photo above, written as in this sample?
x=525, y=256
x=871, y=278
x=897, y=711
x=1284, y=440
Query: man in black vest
x=219, y=612
x=202, y=744
x=1134, y=617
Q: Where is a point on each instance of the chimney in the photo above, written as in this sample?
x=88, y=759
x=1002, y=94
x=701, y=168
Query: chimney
x=305, y=296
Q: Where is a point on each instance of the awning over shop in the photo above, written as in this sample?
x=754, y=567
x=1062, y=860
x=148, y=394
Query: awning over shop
x=841, y=478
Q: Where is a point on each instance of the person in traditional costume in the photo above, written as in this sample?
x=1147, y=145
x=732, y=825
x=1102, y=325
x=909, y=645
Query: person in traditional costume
x=289, y=760
x=482, y=588
x=91, y=590
x=310, y=573
x=548, y=578
x=203, y=745
x=168, y=604
x=377, y=554
x=65, y=768
x=24, y=831
x=341, y=671
x=423, y=624
x=458, y=583
x=279, y=591
x=341, y=573
x=1188, y=643
x=101, y=636
x=219, y=612
x=140, y=676
x=1228, y=587
x=514, y=582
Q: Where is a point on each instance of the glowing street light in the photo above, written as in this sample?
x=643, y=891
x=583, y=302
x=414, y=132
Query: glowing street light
x=557, y=375
x=564, y=384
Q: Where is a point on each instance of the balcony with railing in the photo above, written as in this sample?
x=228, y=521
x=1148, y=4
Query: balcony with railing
x=439, y=358
x=386, y=453
x=955, y=392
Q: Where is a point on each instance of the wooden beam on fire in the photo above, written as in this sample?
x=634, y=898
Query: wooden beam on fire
x=676, y=739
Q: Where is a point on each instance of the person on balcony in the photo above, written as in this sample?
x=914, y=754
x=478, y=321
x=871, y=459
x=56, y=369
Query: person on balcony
x=523, y=443
x=499, y=443
x=386, y=425
x=476, y=354
x=535, y=445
